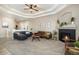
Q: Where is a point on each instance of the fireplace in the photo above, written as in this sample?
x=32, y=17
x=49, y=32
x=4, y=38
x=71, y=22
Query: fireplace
x=67, y=33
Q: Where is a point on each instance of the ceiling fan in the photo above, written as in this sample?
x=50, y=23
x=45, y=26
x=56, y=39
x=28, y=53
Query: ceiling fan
x=31, y=7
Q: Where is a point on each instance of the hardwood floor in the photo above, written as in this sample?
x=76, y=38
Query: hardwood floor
x=29, y=47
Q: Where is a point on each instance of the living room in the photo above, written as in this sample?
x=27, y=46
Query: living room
x=43, y=23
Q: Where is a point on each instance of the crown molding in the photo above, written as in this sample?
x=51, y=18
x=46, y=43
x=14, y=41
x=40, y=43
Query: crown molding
x=52, y=10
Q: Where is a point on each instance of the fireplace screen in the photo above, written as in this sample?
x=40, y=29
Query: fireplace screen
x=68, y=33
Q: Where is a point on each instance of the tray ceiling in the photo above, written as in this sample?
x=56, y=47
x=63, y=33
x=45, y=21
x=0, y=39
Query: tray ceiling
x=44, y=9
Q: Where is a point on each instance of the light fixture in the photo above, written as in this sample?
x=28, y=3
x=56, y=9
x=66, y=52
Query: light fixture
x=5, y=25
x=31, y=7
x=72, y=22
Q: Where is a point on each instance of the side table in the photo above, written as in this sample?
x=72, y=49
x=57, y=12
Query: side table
x=73, y=50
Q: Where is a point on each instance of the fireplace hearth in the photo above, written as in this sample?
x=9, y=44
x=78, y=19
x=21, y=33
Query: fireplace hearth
x=68, y=33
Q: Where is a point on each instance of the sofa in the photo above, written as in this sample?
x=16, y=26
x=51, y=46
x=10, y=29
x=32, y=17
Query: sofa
x=44, y=34
x=22, y=35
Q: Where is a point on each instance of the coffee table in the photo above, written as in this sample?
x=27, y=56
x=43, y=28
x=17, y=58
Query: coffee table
x=35, y=37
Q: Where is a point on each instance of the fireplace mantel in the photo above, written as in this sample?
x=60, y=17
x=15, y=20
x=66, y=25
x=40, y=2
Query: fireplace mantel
x=67, y=28
x=70, y=26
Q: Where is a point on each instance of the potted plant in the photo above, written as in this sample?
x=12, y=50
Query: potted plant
x=62, y=24
x=72, y=19
x=58, y=22
x=76, y=44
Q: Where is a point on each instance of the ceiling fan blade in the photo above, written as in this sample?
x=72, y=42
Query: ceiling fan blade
x=35, y=9
x=31, y=7
x=27, y=5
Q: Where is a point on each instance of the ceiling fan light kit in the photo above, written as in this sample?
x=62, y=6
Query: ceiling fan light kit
x=31, y=7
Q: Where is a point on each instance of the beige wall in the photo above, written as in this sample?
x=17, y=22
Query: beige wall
x=11, y=24
x=74, y=10
x=25, y=25
x=47, y=23
x=10, y=21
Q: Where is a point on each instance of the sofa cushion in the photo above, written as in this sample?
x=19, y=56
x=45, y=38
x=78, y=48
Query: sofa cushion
x=27, y=32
